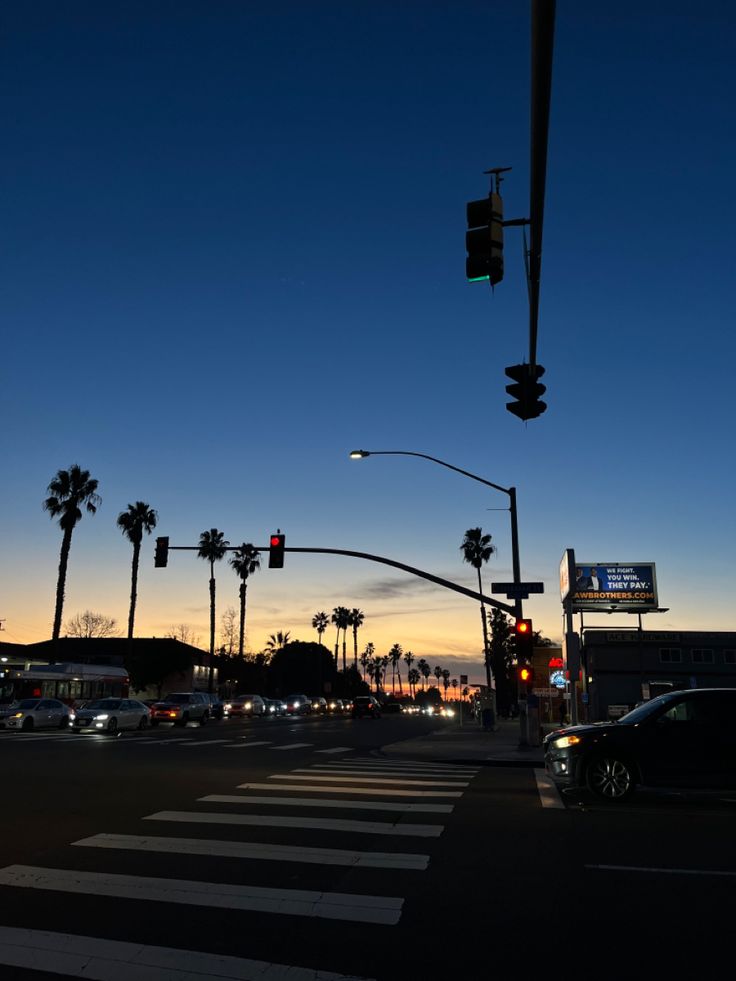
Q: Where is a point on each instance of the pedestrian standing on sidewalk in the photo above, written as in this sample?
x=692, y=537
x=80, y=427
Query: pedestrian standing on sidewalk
x=562, y=712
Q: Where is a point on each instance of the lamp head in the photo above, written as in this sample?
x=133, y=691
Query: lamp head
x=358, y=454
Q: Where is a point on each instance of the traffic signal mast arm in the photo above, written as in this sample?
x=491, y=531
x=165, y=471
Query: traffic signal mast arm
x=379, y=558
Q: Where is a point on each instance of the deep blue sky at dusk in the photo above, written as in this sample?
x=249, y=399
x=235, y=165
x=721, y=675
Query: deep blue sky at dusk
x=233, y=250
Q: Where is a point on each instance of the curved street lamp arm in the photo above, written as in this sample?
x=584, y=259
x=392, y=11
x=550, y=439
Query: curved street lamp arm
x=442, y=463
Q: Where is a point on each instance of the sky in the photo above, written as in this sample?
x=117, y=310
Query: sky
x=233, y=251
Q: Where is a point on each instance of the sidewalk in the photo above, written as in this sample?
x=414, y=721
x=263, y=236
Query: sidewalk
x=470, y=744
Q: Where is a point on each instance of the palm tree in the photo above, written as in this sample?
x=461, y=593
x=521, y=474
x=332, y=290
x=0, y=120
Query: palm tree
x=68, y=491
x=139, y=518
x=424, y=670
x=438, y=675
x=477, y=550
x=277, y=641
x=245, y=562
x=356, y=618
x=212, y=548
x=319, y=622
x=341, y=618
x=379, y=664
x=454, y=687
x=366, y=656
x=395, y=658
x=445, y=681
x=413, y=677
x=408, y=660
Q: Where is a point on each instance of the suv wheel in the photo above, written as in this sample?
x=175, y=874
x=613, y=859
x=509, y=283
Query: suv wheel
x=610, y=777
x=205, y=717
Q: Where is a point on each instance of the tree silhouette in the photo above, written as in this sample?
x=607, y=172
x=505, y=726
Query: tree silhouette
x=140, y=518
x=477, y=550
x=69, y=491
x=212, y=548
x=355, y=620
x=319, y=622
x=244, y=562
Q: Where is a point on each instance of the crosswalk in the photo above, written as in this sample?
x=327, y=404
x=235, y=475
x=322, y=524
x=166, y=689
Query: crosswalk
x=135, y=740
x=290, y=821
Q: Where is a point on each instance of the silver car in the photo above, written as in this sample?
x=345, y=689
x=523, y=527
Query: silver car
x=38, y=713
x=111, y=714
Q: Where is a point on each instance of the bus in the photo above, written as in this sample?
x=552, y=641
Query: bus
x=70, y=683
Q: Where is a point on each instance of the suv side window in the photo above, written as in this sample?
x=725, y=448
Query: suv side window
x=714, y=710
x=680, y=712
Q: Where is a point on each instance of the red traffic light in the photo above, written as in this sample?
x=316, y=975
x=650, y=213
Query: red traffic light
x=276, y=551
x=525, y=675
x=524, y=627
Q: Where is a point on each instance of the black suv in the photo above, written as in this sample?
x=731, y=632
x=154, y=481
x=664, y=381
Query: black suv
x=366, y=705
x=682, y=739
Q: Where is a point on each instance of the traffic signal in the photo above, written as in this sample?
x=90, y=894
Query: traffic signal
x=525, y=675
x=484, y=240
x=524, y=641
x=162, y=553
x=276, y=551
x=526, y=390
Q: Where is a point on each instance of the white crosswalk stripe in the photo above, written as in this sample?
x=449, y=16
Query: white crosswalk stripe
x=258, y=850
x=321, y=776
x=304, y=823
x=293, y=746
x=327, y=789
x=336, y=749
x=255, y=742
x=295, y=902
x=114, y=960
x=357, y=805
x=366, y=774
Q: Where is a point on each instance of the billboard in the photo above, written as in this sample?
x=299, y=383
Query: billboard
x=609, y=586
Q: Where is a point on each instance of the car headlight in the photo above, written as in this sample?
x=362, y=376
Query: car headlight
x=297, y=704
x=101, y=718
x=248, y=705
x=227, y=706
x=564, y=741
x=449, y=712
x=18, y=715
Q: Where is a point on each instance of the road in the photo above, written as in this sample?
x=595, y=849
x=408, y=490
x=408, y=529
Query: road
x=245, y=849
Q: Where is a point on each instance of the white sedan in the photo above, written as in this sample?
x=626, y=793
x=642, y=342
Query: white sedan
x=38, y=713
x=111, y=714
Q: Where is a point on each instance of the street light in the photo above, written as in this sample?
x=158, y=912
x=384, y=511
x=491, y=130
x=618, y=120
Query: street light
x=511, y=491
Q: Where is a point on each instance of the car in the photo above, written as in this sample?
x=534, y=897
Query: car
x=181, y=707
x=392, y=707
x=319, y=705
x=274, y=706
x=249, y=705
x=684, y=739
x=366, y=706
x=335, y=706
x=298, y=704
x=38, y=713
x=110, y=715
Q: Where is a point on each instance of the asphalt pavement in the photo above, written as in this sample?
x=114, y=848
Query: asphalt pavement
x=325, y=849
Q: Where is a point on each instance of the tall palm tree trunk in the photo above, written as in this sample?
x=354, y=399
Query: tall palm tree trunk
x=133, y=593
x=344, y=645
x=241, y=637
x=355, y=647
x=337, y=644
x=398, y=675
x=210, y=679
x=66, y=544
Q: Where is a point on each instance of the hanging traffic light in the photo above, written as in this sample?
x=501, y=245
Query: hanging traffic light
x=524, y=634
x=484, y=240
x=526, y=390
x=276, y=551
x=161, y=556
x=525, y=675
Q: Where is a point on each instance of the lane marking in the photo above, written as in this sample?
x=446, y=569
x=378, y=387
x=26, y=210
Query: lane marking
x=257, y=850
x=256, y=742
x=383, y=776
x=657, y=871
x=413, y=764
x=294, y=902
x=336, y=749
x=117, y=960
x=329, y=778
x=373, y=791
x=357, y=805
x=181, y=739
x=294, y=746
x=302, y=823
x=206, y=742
x=549, y=795
x=338, y=765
